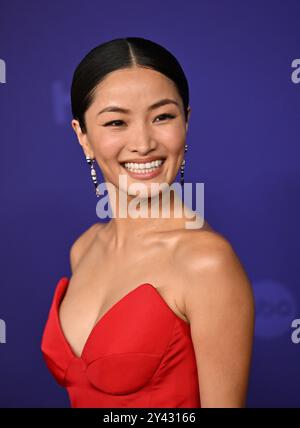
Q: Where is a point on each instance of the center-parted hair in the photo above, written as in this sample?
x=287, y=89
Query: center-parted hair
x=119, y=54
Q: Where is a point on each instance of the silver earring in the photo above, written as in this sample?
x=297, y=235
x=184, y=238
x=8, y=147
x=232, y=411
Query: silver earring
x=182, y=167
x=93, y=173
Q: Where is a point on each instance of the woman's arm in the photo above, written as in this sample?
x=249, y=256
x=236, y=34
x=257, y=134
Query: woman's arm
x=219, y=303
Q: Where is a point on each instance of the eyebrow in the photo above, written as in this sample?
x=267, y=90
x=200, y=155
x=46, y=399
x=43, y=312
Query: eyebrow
x=159, y=103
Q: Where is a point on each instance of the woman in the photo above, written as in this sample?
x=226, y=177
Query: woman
x=155, y=314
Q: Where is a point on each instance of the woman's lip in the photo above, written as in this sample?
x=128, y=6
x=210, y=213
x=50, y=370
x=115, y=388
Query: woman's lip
x=145, y=175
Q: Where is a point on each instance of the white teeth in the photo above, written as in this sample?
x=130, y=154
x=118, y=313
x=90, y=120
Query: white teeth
x=143, y=167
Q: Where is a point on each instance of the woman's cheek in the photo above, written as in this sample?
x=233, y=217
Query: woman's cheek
x=173, y=137
x=108, y=148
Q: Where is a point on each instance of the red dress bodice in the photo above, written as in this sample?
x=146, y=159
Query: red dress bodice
x=139, y=354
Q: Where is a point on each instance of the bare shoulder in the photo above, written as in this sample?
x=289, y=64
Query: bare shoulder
x=203, y=248
x=214, y=271
x=219, y=305
x=82, y=243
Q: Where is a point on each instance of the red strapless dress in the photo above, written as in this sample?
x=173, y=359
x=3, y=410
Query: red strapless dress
x=139, y=354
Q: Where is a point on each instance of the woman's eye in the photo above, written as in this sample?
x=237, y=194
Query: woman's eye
x=113, y=121
x=169, y=116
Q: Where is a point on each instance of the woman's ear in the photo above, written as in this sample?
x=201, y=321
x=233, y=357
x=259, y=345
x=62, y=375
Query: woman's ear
x=188, y=118
x=82, y=138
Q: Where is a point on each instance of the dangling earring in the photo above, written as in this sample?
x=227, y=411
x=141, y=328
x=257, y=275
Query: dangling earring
x=182, y=167
x=93, y=173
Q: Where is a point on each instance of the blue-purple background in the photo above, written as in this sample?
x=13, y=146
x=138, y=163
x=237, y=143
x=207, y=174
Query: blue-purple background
x=243, y=144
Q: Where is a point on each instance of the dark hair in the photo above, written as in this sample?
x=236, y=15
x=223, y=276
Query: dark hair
x=115, y=55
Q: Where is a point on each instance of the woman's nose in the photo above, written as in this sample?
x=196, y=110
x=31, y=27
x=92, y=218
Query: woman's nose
x=143, y=140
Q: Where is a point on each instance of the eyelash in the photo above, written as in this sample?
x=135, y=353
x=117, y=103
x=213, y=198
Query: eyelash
x=170, y=116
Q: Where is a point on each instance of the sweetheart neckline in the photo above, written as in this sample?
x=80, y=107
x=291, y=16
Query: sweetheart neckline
x=65, y=281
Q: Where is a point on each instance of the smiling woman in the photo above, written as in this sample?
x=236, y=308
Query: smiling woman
x=140, y=321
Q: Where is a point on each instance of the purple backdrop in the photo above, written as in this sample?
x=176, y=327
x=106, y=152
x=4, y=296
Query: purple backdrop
x=243, y=144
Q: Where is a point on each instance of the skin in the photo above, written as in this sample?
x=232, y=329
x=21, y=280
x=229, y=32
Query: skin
x=196, y=272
